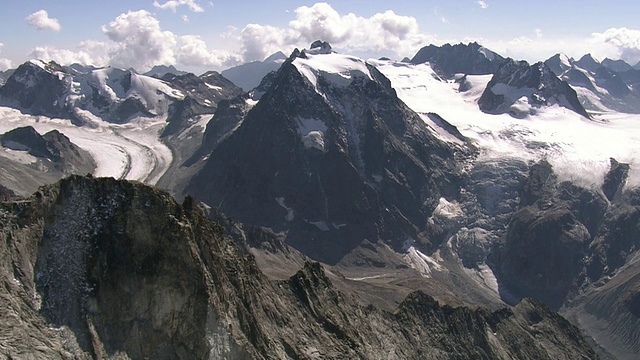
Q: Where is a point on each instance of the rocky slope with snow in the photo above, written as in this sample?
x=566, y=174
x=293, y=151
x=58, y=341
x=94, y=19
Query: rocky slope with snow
x=100, y=268
x=519, y=89
x=601, y=87
x=329, y=153
x=480, y=184
x=129, y=125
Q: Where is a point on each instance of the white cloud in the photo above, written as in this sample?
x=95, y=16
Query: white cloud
x=623, y=43
x=86, y=53
x=136, y=39
x=185, y=18
x=174, y=4
x=4, y=63
x=482, y=4
x=539, y=33
x=192, y=51
x=140, y=42
x=42, y=21
x=385, y=32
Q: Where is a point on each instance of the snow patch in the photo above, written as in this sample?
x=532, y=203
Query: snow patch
x=312, y=132
x=487, y=53
x=213, y=87
x=448, y=209
x=320, y=225
x=290, y=214
x=422, y=263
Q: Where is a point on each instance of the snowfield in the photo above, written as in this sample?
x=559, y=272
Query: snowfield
x=335, y=68
x=578, y=148
x=131, y=151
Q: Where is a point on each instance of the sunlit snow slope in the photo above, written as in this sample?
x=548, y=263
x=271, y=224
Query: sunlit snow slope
x=578, y=148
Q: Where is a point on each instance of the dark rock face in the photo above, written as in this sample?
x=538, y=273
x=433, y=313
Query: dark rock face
x=516, y=80
x=353, y=164
x=203, y=93
x=321, y=47
x=548, y=236
x=544, y=252
x=122, y=270
x=619, y=66
x=37, y=86
x=615, y=179
x=470, y=59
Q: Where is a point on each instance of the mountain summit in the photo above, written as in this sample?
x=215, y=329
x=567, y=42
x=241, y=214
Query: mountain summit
x=333, y=156
x=469, y=59
x=519, y=89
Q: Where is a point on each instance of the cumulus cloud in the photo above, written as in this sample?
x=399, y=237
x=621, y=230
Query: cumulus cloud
x=87, y=53
x=384, y=32
x=193, y=51
x=140, y=42
x=625, y=43
x=174, y=4
x=42, y=21
x=482, y=4
x=136, y=39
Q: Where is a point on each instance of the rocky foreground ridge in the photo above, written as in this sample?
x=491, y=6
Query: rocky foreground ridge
x=113, y=269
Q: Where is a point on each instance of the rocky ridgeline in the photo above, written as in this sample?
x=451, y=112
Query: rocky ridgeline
x=112, y=94
x=113, y=269
x=518, y=89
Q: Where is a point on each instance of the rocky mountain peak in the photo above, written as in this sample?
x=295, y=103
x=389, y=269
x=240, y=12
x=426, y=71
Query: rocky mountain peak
x=589, y=63
x=470, y=59
x=559, y=63
x=520, y=89
x=54, y=148
x=37, y=86
x=616, y=65
x=320, y=47
x=335, y=157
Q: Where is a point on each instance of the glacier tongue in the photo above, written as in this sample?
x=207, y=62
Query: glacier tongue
x=130, y=151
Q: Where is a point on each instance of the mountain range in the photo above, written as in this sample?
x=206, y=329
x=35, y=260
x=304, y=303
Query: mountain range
x=337, y=207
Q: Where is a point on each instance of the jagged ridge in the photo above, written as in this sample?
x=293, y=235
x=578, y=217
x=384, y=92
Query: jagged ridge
x=121, y=269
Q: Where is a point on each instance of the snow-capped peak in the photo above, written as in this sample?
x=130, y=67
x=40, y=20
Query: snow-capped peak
x=339, y=70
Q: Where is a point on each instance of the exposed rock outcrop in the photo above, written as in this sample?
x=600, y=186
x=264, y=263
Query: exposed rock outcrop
x=519, y=89
x=469, y=59
x=113, y=269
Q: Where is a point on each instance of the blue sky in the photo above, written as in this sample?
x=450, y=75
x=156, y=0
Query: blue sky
x=200, y=35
